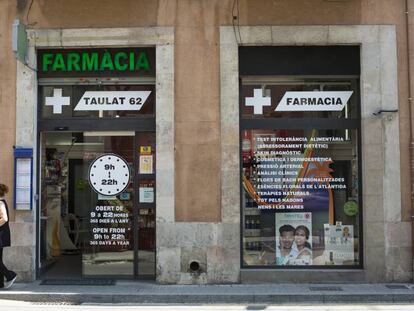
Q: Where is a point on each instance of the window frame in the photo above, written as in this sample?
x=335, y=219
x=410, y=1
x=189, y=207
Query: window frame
x=302, y=123
x=136, y=123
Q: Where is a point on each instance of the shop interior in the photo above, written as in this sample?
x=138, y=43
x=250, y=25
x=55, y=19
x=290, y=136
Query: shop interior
x=69, y=245
x=274, y=195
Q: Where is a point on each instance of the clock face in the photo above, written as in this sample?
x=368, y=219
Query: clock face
x=109, y=175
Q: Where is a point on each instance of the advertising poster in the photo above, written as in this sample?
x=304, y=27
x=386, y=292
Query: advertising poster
x=145, y=164
x=146, y=195
x=293, y=238
x=294, y=177
x=339, y=243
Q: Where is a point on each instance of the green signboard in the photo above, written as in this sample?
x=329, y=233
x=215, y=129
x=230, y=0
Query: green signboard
x=116, y=62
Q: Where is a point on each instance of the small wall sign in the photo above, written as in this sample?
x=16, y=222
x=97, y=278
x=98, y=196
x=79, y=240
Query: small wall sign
x=109, y=175
x=23, y=171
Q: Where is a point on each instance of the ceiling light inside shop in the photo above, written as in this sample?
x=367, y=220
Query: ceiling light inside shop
x=109, y=133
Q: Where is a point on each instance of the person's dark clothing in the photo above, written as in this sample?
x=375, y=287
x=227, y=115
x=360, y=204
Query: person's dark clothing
x=5, y=230
x=4, y=242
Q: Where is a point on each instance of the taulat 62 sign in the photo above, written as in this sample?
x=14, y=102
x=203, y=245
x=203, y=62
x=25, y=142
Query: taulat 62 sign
x=99, y=100
x=109, y=100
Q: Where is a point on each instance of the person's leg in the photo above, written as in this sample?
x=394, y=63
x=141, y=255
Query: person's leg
x=10, y=276
x=6, y=273
x=1, y=272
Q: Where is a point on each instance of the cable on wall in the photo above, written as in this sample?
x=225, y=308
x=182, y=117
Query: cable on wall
x=236, y=21
x=28, y=13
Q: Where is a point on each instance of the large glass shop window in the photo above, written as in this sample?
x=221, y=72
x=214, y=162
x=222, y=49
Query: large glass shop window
x=300, y=180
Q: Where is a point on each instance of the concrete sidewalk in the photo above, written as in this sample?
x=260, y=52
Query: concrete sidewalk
x=145, y=292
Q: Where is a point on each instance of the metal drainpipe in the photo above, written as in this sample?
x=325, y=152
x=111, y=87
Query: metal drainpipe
x=411, y=111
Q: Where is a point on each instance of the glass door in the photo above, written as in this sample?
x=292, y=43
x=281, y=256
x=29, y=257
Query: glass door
x=145, y=177
x=94, y=185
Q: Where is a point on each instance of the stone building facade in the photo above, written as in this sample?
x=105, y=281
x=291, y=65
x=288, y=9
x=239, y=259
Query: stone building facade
x=199, y=197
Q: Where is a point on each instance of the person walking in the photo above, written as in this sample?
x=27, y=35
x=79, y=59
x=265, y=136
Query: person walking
x=5, y=273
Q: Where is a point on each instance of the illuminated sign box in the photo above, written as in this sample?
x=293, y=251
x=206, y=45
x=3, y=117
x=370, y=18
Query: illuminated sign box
x=113, y=62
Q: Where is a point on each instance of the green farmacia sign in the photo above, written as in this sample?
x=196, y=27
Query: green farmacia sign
x=96, y=62
x=85, y=61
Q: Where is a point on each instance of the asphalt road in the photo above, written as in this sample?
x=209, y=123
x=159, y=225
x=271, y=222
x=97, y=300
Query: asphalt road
x=6, y=305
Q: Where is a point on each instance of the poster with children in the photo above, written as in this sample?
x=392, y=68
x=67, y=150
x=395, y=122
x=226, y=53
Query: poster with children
x=293, y=239
x=339, y=243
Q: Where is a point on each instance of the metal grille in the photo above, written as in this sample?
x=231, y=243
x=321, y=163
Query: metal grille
x=396, y=286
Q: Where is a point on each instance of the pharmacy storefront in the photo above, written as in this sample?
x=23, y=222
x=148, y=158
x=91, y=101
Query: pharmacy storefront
x=317, y=143
x=300, y=142
x=309, y=140
x=95, y=146
x=97, y=162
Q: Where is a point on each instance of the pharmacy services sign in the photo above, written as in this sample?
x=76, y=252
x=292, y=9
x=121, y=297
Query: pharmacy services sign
x=314, y=101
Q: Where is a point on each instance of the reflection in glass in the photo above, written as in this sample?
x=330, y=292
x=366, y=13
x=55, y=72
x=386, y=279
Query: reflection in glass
x=300, y=197
x=84, y=233
x=146, y=242
x=146, y=203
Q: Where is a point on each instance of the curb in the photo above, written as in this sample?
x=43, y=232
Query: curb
x=78, y=298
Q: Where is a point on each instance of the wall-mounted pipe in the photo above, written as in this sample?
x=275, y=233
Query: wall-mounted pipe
x=411, y=112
